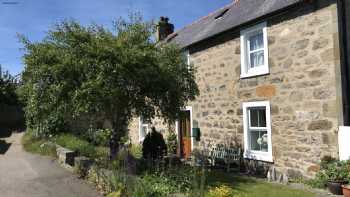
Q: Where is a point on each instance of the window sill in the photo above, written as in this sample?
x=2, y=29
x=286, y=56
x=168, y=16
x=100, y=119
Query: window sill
x=260, y=156
x=253, y=74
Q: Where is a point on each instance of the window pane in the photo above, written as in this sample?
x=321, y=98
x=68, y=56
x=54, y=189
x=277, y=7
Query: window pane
x=256, y=41
x=257, y=117
x=259, y=141
x=257, y=59
x=254, y=118
x=262, y=118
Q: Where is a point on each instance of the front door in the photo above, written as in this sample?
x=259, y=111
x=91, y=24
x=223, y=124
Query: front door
x=185, y=134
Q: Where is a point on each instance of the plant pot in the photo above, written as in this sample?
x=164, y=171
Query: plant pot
x=346, y=190
x=335, y=187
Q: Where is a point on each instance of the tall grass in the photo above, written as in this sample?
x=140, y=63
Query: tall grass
x=45, y=146
x=38, y=146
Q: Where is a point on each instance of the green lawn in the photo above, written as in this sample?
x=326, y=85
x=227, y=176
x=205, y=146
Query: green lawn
x=250, y=187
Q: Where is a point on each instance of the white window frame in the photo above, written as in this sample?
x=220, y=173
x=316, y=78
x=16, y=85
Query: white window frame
x=245, y=57
x=257, y=155
x=188, y=60
x=141, y=125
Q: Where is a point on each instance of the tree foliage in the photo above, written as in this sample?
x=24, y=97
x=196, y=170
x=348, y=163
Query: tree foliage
x=78, y=70
x=8, y=86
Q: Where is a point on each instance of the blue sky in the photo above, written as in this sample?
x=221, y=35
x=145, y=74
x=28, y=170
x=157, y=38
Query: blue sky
x=33, y=18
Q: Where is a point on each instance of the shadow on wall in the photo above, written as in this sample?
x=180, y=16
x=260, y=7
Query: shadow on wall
x=256, y=168
x=4, y=146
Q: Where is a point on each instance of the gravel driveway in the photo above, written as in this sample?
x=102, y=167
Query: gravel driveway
x=25, y=175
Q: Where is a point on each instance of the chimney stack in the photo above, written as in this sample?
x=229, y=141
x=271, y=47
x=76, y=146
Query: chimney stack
x=164, y=28
x=236, y=2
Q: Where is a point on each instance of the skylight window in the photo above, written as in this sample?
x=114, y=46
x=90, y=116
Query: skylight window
x=219, y=16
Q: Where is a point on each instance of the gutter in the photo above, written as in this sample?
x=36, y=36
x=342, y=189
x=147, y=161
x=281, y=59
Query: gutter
x=344, y=45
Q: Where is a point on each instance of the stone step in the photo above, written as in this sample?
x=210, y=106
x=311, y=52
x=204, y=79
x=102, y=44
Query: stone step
x=65, y=156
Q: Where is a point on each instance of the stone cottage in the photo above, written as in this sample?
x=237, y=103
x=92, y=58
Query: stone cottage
x=273, y=78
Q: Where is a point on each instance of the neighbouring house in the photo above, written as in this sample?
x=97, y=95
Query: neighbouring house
x=273, y=78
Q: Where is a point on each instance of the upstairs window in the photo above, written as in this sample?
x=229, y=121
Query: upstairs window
x=254, y=51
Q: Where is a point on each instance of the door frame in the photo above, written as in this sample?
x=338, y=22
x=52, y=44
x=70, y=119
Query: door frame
x=177, y=130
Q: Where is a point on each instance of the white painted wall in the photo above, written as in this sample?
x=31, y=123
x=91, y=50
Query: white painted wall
x=344, y=143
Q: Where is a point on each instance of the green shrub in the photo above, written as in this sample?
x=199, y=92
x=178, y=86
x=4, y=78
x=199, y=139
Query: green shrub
x=102, y=137
x=8, y=87
x=182, y=177
x=331, y=170
x=320, y=181
x=173, y=180
x=326, y=160
x=154, y=146
x=98, y=137
x=142, y=188
x=337, y=171
x=118, y=183
x=101, y=152
x=160, y=185
x=83, y=147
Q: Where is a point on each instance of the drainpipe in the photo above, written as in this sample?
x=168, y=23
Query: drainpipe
x=344, y=45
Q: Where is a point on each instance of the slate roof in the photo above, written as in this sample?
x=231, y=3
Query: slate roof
x=237, y=14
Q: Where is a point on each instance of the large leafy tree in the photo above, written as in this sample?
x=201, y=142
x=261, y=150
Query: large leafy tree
x=8, y=85
x=79, y=70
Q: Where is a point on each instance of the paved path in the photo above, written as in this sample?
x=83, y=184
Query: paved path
x=26, y=175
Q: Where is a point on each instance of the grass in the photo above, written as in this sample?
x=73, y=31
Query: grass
x=83, y=147
x=136, y=151
x=34, y=145
x=250, y=187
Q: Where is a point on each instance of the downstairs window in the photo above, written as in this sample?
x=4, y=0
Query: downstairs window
x=257, y=131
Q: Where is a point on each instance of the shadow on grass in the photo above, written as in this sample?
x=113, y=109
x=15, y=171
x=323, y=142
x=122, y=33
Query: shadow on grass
x=217, y=177
x=251, y=186
x=4, y=146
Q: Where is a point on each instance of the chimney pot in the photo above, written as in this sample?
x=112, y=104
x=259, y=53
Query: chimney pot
x=164, y=28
